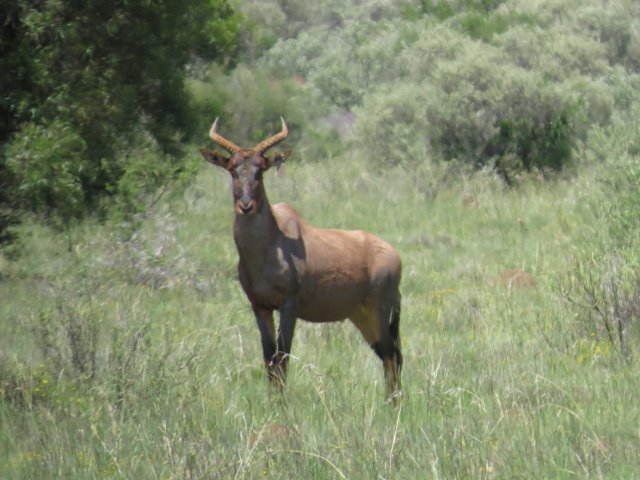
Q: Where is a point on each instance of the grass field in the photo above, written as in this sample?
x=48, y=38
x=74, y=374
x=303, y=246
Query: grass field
x=128, y=349
x=137, y=356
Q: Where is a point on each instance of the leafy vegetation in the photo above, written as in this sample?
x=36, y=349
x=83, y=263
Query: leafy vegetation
x=494, y=143
x=85, y=83
x=506, y=84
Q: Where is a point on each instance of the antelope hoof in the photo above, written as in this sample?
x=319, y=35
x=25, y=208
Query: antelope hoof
x=395, y=398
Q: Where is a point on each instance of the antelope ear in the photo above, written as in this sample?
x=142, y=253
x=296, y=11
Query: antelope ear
x=277, y=158
x=216, y=158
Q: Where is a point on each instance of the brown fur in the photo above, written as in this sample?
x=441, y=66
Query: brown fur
x=319, y=275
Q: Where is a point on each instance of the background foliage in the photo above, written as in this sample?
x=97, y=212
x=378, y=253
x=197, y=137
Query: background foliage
x=84, y=83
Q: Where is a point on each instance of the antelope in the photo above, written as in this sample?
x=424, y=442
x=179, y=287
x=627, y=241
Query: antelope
x=318, y=275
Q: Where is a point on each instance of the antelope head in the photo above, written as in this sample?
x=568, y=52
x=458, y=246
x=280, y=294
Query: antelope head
x=246, y=167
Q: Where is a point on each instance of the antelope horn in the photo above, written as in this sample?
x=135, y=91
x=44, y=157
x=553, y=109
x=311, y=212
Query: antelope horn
x=274, y=140
x=228, y=145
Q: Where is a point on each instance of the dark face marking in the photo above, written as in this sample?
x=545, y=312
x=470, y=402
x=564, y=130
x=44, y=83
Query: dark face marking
x=246, y=168
x=246, y=182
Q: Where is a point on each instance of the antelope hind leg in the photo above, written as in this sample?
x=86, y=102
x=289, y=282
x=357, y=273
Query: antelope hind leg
x=379, y=327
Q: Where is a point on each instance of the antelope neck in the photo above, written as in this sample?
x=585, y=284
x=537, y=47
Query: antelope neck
x=253, y=234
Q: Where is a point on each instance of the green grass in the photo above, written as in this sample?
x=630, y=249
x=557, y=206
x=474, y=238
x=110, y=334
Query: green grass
x=498, y=382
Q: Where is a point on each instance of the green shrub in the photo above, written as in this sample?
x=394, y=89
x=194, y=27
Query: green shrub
x=48, y=164
x=85, y=79
x=615, y=26
x=482, y=26
x=622, y=207
x=253, y=106
x=147, y=174
x=337, y=73
x=518, y=86
x=86, y=340
x=54, y=172
x=602, y=290
x=555, y=53
x=345, y=64
x=542, y=145
x=443, y=9
x=250, y=105
x=262, y=23
x=206, y=90
x=271, y=19
x=604, y=295
x=474, y=106
x=392, y=128
x=298, y=56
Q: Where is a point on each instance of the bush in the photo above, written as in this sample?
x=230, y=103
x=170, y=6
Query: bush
x=147, y=174
x=447, y=8
x=621, y=210
x=554, y=53
x=614, y=26
x=392, y=128
x=92, y=75
x=269, y=20
x=474, y=106
x=253, y=104
x=48, y=165
x=606, y=302
x=53, y=173
x=347, y=63
x=516, y=85
x=87, y=342
x=603, y=289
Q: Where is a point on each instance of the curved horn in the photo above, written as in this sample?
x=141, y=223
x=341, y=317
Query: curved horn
x=223, y=142
x=274, y=140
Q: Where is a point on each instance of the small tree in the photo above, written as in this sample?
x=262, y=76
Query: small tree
x=82, y=82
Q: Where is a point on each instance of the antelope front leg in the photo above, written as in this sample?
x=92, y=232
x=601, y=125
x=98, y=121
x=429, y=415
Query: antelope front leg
x=288, y=317
x=264, y=319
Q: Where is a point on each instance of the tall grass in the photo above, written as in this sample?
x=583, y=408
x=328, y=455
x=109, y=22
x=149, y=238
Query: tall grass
x=495, y=386
x=128, y=349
